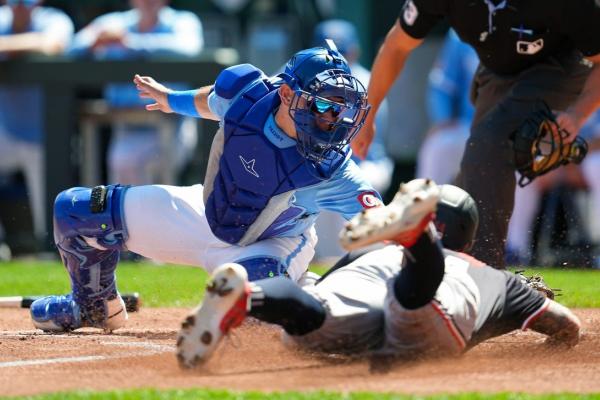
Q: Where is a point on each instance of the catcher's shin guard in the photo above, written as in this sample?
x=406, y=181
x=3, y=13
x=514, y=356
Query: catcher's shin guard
x=224, y=307
x=402, y=221
x=89, y=232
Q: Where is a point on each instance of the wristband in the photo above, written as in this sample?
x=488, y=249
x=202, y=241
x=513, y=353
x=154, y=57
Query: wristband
x=182, y=102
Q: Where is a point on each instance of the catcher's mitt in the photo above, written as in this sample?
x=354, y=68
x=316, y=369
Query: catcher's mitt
x=539, y=145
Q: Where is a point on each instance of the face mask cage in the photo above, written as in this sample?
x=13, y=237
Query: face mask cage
x=328, y=114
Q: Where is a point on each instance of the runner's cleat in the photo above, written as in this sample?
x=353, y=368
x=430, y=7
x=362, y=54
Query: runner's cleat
x=224, y=307
x=401, y=221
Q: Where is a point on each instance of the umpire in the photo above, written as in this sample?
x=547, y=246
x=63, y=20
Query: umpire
x=529, y=50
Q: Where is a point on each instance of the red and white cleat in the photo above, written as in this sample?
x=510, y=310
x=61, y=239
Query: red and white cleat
x=224, y=307
x=401, y=221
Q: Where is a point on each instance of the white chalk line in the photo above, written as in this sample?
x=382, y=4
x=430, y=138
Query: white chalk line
x=149, y=350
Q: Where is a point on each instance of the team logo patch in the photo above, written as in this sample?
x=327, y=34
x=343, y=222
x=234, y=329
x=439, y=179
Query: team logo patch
x=529, y=48
x=369, y=200
x=249, y=166
x=410, y=13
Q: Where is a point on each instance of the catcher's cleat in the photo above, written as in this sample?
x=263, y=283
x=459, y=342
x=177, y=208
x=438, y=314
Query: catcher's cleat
x=64, y=314
x=224, y=307
x=401, y=221
x=537, y=282
x=56, y=314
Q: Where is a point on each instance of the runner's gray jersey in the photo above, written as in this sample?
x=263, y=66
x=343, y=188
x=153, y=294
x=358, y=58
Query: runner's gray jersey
x=364, y=316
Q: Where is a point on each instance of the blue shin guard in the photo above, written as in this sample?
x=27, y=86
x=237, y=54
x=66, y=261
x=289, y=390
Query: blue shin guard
x=89, y=232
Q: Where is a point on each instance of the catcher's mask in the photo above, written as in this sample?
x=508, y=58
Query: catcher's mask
x=540, y=146
x=329, y=105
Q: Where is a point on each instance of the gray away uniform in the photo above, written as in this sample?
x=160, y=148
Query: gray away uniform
x=472, y=303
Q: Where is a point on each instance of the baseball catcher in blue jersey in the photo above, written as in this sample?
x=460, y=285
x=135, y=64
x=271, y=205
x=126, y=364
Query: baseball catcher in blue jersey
x=280, y=156
x=407, y=298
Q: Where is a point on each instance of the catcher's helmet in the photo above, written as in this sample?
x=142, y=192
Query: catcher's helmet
x=329, y=106
x=457, y=218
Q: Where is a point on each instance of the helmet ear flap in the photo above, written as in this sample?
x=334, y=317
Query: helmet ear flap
x=289, y=80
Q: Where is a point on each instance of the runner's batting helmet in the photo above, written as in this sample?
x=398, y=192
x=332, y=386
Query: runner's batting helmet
x=457, y=218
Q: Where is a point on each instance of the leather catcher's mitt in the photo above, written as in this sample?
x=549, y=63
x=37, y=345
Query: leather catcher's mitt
x=539, y=145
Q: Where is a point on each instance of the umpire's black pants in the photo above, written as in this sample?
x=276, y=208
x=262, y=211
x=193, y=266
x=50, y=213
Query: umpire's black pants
x=502, y=103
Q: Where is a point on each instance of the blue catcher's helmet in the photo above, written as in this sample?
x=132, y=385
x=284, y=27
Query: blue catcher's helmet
x=329, y=106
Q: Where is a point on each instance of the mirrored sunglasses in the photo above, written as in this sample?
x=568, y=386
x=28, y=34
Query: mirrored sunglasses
x=321, y=106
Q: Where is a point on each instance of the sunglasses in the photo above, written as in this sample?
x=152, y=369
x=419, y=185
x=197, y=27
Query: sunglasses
x=321, y=106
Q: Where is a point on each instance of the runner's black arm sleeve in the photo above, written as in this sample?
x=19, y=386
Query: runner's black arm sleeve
x=422, y=272
x=281, y=301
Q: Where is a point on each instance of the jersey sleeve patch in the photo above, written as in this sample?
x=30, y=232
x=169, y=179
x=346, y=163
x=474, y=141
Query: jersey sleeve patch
x=410, y=13
x=418, y=17
x=369, y=199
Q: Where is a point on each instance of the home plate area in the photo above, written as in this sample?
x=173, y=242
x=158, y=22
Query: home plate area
x=253, y=358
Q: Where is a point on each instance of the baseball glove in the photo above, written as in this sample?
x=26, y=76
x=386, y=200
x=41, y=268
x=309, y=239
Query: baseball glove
x=536, y=282
x=539, y=145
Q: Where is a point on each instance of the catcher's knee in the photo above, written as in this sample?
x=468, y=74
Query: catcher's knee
x=263, y=267
x=95, y=214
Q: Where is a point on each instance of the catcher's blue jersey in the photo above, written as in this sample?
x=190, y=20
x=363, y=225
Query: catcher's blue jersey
x=285, y=213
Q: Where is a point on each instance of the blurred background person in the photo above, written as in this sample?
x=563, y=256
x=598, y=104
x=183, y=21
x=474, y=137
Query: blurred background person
x=377, y=166
x=450, y=111
x=591, y=173
x=25, y=28
x=149, y=29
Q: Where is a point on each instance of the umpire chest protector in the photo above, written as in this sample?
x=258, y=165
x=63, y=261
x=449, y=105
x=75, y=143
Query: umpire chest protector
x=250, y=181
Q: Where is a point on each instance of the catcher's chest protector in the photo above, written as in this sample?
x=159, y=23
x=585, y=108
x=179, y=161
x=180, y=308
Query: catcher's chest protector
x=252, y=171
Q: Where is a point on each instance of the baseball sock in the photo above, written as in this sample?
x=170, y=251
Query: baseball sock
x=280, y=301
x=422, y=272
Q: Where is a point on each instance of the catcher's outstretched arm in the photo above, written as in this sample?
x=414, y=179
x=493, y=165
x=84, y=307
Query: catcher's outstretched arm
x=193, y=103
x=559, y=323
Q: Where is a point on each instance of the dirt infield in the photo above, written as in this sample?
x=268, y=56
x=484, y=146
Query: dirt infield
x=254, y=359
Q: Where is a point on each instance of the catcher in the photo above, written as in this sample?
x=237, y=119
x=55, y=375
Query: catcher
x=281, y=156
x=409, y=298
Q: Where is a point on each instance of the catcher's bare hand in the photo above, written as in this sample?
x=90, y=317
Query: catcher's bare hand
x=150, y=89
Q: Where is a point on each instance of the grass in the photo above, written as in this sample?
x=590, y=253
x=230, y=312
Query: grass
x=579, y=288
x=179, y=286
x=197, y=394
x=159, y=286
